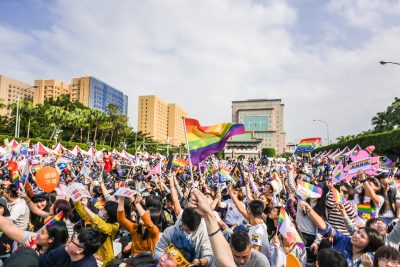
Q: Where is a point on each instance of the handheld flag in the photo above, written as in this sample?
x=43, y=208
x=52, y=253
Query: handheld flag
x=51, y=220
x=288, y=230
x=206, y=140
x=338, y=173
x=156, y=169
x=308, y=145
x=307, y=190
x=337, y=196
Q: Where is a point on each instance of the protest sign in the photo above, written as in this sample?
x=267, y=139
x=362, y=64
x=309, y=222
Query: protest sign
x=125, y=192
x=77, y=191
x=47, y=179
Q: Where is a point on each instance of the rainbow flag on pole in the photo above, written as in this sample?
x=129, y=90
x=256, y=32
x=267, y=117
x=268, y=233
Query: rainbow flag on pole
x=206, y=140
x=308, y=145
x=307, y=190
x=337, y=196
x=338, y=173
x=51, y=220
x=179, y=163
x=288, y=230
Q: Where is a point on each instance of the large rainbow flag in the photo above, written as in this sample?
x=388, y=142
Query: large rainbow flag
x=308, y=145
x=206, y=140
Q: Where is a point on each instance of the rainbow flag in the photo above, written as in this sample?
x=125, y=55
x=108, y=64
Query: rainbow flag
x=99, y=202
x=338, y=173
x=308, y=145
x=365, y=211
x=206, y=140
x=307, y=190
x=15, y=177
x=337, y=196
x=51, y=220
x=224, y=176
x=288, y=230
x=179, y=163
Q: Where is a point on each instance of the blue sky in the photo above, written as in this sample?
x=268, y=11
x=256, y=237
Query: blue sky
x=320, y=57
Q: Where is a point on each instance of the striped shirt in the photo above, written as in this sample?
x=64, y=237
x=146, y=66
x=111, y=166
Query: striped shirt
x=335, y=217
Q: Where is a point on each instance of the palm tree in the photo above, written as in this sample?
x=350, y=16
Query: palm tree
x=28, y=111
x=97, y=117
x=57, y=116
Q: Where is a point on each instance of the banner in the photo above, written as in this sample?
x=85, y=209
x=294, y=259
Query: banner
x=359, y=165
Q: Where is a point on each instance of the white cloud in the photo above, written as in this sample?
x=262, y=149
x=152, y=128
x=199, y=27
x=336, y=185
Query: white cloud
x=204, y=54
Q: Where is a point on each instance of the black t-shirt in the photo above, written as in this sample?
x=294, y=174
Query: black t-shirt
x=59, y=258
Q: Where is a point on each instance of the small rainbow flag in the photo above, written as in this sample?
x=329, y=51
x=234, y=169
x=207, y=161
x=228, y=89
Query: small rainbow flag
x=307, y=190
x=15, y=177
x=338, y=173
x=365, y=211
x=179, y=163
x=308, y=145
x=51, y=220
x=288, y=230
x=224, y=176
x=99, y=202
x=337, y=196
x=207, y=140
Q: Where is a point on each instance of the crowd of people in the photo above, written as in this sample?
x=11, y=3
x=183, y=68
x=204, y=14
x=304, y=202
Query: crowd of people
x=222, y=212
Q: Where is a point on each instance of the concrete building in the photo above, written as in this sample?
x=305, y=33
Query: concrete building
x=46, y=89
x=162, y=120
x=265, y=118
x=11, y=90
x=94, y=93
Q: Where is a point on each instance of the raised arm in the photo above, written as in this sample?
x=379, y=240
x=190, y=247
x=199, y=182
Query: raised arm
x=34, y=209
x=11, y=230
x=220, y=247
x=318, y=221
x=127, y=224
x=237, y=202
x=369, y=192
x=174, y=194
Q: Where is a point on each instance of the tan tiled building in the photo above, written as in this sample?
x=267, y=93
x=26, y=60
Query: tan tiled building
x=162, y=120
x=49, y=89
x=264, y=117
x=11, y=90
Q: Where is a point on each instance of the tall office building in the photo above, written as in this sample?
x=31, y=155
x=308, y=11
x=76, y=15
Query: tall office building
x=264, y=117
x=94, y=93
x=46, y=89
x=11, y=90
x=163, y=121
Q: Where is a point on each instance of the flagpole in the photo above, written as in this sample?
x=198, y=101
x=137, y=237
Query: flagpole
x=188, y=150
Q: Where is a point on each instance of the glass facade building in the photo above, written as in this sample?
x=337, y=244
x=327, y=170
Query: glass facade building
x=102, y=94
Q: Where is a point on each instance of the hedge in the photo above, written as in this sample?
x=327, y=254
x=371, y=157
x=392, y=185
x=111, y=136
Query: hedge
x=50, y=143
x=269, y=152
x=387, y=143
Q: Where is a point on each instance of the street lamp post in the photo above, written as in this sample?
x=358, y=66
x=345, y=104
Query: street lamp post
x=17, y=118
x=388, y=62
x=327, y=128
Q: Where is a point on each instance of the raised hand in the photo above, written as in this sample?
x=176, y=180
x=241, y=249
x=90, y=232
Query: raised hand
x=199, y=203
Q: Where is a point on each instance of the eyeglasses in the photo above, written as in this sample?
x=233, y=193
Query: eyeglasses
x=384, y=260
x=71, y=239
x=379, y=223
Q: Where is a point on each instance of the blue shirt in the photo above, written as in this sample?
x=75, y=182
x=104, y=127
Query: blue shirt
x=342, y=244
x=59, y=258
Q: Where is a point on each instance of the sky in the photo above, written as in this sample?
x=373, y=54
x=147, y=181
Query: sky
x=321, y=57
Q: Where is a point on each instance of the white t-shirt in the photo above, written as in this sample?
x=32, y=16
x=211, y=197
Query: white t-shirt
x=233, y=216
x=259, y=237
